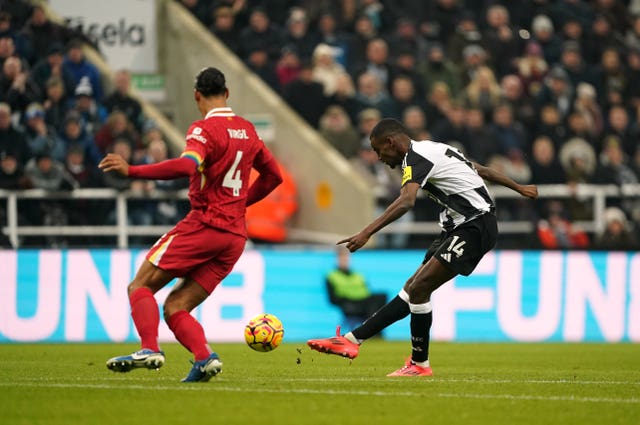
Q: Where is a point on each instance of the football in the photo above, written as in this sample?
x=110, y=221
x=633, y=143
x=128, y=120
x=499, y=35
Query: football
x=264, y=332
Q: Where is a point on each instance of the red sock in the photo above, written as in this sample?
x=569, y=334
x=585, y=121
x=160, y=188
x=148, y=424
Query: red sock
x=146, y=317
x=189, y=333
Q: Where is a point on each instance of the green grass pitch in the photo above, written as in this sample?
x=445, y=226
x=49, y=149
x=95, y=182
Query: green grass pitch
x=472, y=384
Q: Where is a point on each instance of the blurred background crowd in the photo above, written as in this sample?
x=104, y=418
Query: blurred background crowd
x=547, y=91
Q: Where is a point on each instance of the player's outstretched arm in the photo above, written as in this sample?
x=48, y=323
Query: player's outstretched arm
x=165, y=170
x=489, y=174
x=403, y=203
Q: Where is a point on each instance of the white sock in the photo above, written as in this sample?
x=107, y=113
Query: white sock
x=422, y=364
x=350, y=337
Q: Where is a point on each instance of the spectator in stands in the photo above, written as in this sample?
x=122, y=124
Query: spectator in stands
x=73, y=134
x=437, y=68
x=550, y=124
x=573, y=30
x=478, y=142
x=345, y=96
x=224, y=27
x=545, y=166
x=121, y=100
x=576, y=68
x=7, y=48
x=577, y=126
x=306, y=96
x=40, y=136
x=364, y=32
x=531, y=68
x=586, y=104
x=578, y=158
x=510, y=135
x=259, y=62
x=564, y=11
x=367, y=119
x=500, y=39
x=19, y=12
x=51, y=66
x=632, y=36
x=84, y=212
x=613, y=75
x=55, y=104
x=406, y=64
x=117, y=126
x=11, y=140
x=403, y=93
x=45, y=172
x=165, y=211
x=556, y=231
x=602, y=35
x=619, y=125
x=325, y=69
x=92, y=113
x=378, y=62
x=439, y=102
x=473, y=57
x=544, y=34
x=22, y=44
x=616, y=11
x=372, y=94
x=288, y=66
x=12, y=173
x=297, y=34
x=452, y=128
x=268, y=220
x=613, y=166
x=406, y=37
x=467, y=33
x=617, y=234
x=558, y=91
x=512, y=93
x=374, y=9
x=83, y=170
x=483, y=91
x=336, y=128
x=331, y=34
x=633, y=66
x=16, y=88
x=261, y=34
x=415, y=120
x=445, y=13
x=79, y=67
x=113, y=179
x=348, y=290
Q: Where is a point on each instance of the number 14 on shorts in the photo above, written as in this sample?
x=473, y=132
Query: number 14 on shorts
x=455, y=247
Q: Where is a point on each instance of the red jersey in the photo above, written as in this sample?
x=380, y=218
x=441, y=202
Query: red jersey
x=225, y=147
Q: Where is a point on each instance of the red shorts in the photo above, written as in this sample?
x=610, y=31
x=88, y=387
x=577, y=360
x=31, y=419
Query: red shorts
x=192, y=249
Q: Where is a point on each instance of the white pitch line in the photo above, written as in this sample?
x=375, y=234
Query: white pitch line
x=220, y=388
x=431, y=380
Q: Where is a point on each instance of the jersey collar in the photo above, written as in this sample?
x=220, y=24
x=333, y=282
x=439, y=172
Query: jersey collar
x=220, y=112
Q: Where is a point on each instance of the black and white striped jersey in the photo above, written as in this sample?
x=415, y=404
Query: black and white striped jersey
x=449, y=179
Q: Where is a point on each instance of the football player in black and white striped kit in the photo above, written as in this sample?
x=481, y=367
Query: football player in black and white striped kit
x=469, y=231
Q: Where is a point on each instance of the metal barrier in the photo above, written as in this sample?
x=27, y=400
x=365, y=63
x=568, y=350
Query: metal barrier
x=122, y=230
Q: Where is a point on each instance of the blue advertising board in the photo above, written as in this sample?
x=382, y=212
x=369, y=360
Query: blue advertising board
x=80, y=295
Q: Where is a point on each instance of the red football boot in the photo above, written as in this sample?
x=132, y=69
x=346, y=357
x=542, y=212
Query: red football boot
x=338, y=345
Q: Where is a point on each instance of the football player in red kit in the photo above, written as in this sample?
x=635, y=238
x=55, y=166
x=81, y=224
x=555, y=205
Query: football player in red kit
x=221, y=149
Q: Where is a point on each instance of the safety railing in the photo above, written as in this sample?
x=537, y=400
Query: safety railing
x=122, y=230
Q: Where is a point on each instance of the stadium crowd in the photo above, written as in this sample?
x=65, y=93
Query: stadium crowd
x=548, y=91
x=57, y=122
